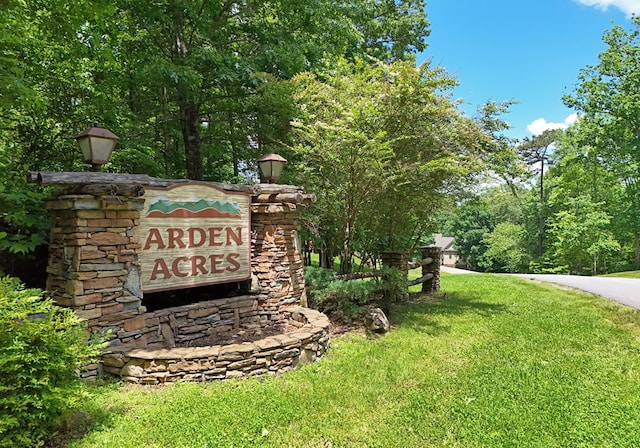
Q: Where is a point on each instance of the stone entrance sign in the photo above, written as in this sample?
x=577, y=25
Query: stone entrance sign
x=115, y=237
x=194, y=234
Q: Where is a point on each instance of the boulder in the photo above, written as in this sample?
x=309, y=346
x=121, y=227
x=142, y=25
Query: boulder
x=375, y=320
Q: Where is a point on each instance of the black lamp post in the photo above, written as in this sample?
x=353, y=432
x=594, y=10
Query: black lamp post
x=271, y=166
x=96, y=145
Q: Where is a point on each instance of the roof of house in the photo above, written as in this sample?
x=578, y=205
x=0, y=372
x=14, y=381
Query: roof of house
x=445, y=242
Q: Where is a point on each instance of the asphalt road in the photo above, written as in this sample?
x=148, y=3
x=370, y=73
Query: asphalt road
x=622, y=290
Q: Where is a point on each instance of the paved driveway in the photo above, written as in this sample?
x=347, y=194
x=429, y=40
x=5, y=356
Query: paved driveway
x=623, y=290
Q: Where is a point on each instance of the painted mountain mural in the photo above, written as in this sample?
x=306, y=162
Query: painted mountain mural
x=166, y=208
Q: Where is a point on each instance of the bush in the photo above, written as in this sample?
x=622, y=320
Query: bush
x=339, y=298
x=41, y=348
x=318, y=278
x=345, y=299
x=393, y=287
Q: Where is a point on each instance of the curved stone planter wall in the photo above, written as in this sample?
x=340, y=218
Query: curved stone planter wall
x=273, y=354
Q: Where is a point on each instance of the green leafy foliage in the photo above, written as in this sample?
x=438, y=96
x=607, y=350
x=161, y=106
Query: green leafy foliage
x=341, y=299
x=23, y=222
x=41, y=348
x=380, y=144
x=393, y=287
x=581, y=237
x=471, y=221
x=506, y=249
x=607, y=98
x=345, y=299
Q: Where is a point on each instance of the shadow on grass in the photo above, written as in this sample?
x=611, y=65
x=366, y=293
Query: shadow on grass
x=77, y=423
x=419, y=315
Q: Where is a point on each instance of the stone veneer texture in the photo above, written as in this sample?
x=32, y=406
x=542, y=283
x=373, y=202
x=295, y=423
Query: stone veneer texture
x=274, y=354
x=93, y=268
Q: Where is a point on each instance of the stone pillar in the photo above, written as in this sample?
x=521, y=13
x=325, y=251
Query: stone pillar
x=277, y=265
x=93, y=255
x=435, y=253
x=398, y=260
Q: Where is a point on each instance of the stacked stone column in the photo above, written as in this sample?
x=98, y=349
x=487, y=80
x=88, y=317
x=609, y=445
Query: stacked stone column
x=434, y=253
x=398, y=260
x=277, y=265
x=93, y=256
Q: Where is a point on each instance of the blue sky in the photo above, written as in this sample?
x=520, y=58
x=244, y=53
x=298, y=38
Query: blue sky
x=522, y=50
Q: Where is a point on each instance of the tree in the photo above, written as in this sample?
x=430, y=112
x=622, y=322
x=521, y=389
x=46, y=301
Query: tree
x=391, y=29
x=181, y=82
x=537, y=150
x=472, y=220
x=336, y=157
x=608, y=99
x=498, y=151
x=380, y=145
x=506, y=249
x=582, y=238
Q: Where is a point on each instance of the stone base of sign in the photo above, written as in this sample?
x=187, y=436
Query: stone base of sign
x=273, y=354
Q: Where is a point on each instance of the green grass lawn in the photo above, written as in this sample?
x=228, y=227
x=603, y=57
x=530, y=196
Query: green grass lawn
x=500, y=362
x=628, y=274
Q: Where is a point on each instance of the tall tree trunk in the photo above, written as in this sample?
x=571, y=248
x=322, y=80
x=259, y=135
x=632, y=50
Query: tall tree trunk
x=189, y=109
x=189, y=124
x=326, y=257
x=541, y=220
x=232, y=140
x=166, y=136
x=346, y=257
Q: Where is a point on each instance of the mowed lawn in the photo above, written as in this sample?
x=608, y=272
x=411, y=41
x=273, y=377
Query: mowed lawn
x=499, y=362
x=628, y=274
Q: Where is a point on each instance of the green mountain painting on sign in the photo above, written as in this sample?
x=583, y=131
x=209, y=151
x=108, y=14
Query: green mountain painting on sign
x=200, y=208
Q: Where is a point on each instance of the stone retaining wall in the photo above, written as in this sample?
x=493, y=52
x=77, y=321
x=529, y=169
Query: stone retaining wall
x=167, y=327
x=274, y=354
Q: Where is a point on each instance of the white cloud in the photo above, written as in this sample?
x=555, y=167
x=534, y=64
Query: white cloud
x=629, y=7
x=540, y=125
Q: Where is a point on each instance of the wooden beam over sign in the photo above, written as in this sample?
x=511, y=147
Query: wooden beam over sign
x=85, y=178
x=91, y=178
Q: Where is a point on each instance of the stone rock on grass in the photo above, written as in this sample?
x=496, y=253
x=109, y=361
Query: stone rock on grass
x=376, y=321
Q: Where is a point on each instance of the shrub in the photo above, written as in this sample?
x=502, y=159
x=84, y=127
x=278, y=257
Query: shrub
x=41, y=348
x=345, y=298
x=393, y=287
x=316, y=279
x=340, y=298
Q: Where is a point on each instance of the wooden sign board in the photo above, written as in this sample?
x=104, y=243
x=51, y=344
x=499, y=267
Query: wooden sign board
x=194, y=234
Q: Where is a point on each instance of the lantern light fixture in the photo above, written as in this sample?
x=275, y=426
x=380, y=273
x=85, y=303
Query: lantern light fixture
x=96, y=144
x=271, y=166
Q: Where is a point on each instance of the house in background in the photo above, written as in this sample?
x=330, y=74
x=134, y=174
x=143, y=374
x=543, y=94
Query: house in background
x=449, y=253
